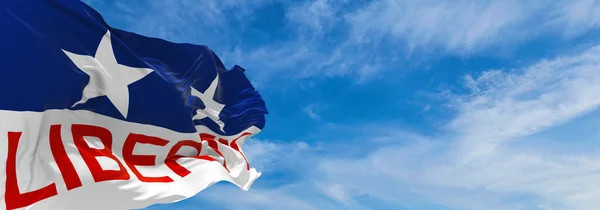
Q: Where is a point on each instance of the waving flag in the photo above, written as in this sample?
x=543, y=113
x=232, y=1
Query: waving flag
x=93, y=117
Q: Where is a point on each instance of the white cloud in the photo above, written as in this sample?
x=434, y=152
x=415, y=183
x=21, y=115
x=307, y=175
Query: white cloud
x=450, y=25
x=503, y=105
x=578, y=16
x=268, y=156
x=316, y=15
x=313, y=110
x=469, y=26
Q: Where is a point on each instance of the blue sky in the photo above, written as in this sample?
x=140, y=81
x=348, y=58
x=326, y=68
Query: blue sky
x=412, y=104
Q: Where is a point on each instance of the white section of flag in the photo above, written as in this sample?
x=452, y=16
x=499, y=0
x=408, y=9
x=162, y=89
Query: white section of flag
x=37, y=168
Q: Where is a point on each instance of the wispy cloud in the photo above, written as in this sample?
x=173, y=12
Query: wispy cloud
x=316, y=16
x=505, y=105
x=275, y=156
x=313, y=110
x=469, y=26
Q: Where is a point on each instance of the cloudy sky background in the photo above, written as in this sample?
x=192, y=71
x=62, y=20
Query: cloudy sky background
x=403, y=104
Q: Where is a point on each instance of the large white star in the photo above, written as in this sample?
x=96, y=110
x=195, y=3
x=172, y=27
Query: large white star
x=107, y=77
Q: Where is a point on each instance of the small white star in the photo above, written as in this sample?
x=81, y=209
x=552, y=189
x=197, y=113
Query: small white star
x=107, y=77
x=212, y=108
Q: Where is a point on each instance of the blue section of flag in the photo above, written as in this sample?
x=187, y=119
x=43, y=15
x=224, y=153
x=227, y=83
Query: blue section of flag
x=38, y=76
